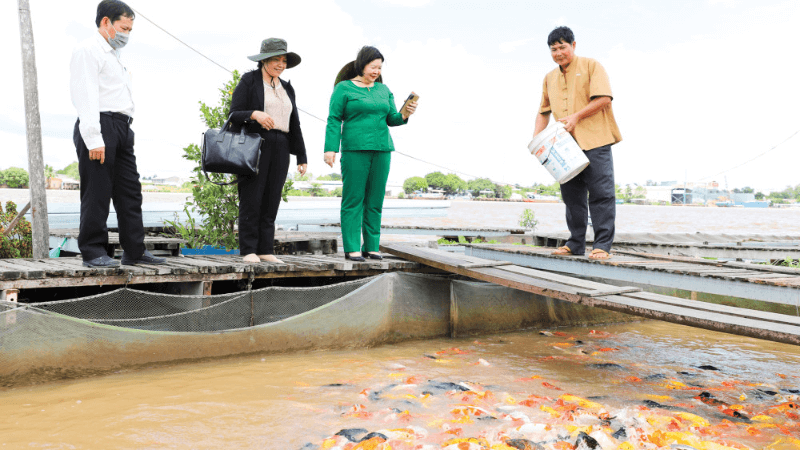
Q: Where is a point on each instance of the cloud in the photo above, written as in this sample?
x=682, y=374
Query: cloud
x=408, y=3
x=508, y=47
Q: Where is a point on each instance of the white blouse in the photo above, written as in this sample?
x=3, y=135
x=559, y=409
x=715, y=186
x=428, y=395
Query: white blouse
x=278, y=105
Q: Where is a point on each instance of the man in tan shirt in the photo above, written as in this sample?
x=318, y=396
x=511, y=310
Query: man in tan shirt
x=578, y=94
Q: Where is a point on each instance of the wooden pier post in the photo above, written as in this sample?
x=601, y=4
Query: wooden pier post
x=39, y=223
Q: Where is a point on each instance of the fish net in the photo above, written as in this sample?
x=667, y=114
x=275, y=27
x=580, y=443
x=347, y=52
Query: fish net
x=129, y=328
x=131, y=308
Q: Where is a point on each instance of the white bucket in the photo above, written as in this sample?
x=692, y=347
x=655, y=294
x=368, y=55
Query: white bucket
x=558, y=152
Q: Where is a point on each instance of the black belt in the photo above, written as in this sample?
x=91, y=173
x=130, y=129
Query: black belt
x=119, y=116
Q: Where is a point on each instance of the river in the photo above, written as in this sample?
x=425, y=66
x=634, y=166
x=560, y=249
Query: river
x=662, y=385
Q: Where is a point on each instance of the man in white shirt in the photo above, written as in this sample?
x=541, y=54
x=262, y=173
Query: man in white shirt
x=100, y=87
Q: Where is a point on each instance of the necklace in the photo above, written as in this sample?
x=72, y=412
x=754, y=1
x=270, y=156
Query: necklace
x=365, y=84
x=273, y=86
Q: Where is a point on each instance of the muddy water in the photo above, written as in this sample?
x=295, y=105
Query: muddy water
x=656, y=381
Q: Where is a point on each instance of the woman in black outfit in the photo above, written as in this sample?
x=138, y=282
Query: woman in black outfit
x=265, y=104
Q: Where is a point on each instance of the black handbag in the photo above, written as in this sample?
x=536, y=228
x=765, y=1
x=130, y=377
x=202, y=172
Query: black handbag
x=225, y=151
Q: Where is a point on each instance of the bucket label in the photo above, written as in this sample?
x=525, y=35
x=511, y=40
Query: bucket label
x=560, y=159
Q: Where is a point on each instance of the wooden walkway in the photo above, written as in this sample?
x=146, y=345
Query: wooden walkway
x=727, y=278
x=766, y=247
x=286, y=242
x=67, y=272
x=630, y=300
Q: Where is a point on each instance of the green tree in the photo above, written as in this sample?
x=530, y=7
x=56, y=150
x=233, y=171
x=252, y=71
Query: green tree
x=436, y=180
x=479, y=184
x=453, y=184
x=71, y=171
x=318, y=191
x=336, y=192
x=330, y=177
x=640, y=192
x=49, y=172
x=414, y=184
x=14, y=177
x=501, y=191
x=552, y=190
x=759, y=196
x=307, y=177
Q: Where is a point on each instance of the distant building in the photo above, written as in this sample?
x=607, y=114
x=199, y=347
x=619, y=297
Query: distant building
x=70, y=184
x=681, y=196
x=170, y=181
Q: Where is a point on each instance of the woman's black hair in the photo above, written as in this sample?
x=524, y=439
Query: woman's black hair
x=113, y=9
x=560, y=34
x=366, y=55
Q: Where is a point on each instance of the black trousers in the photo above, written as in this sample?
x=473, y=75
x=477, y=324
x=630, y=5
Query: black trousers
x=260, y=196
x=597, y=180
x=115, y=180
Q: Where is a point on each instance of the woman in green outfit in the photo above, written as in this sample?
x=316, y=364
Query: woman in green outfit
x=361, y=111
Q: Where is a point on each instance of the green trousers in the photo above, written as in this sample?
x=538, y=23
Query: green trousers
x=364, y=175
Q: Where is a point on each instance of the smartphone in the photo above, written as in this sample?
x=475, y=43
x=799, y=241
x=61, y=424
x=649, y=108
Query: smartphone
x=412, y=97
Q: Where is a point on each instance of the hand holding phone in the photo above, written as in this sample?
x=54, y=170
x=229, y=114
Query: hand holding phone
x=412, y=97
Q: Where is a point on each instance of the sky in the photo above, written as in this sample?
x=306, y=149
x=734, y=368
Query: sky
x=704, y=90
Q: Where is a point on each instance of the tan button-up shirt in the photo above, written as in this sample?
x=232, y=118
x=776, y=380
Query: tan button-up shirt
x=568, y=92
x=278, y=105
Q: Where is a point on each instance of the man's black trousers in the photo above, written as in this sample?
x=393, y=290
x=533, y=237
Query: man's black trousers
x=115, y=180
x=596, y=180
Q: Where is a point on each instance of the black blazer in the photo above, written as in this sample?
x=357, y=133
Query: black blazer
x=249, y=97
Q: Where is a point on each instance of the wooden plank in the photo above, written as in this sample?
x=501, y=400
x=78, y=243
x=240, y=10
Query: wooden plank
x=23, y=270
x=487, y=264
x=564, y=279
x=226, y=266
x=10, y=272
x=82, y=270
x=618, y=291
x=717, y=308
x=200, y=266
x=308, y=263
x=726, y=323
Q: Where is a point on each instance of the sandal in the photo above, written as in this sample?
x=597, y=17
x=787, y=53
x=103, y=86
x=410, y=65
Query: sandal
x=599, y=254
x=563, y=250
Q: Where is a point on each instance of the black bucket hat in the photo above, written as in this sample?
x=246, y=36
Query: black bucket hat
x=275, y=47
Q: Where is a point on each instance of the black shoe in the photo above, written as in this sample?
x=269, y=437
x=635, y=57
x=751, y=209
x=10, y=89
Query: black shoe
x=354, y=258
x=371, y=255
x=102, y=261
x=146, y=258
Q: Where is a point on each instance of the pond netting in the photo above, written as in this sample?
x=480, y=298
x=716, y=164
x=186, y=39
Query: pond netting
x=129, y=328
x=143, y=310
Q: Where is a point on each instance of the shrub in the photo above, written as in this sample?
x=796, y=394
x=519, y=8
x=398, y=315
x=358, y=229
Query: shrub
x=528, y=219
x=19, y=242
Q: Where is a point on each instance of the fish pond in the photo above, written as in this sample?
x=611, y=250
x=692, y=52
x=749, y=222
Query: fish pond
x=640, y=385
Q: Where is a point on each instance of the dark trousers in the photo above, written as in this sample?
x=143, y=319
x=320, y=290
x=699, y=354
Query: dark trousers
x=597, y=180
x=115, y=180
x=260, y=196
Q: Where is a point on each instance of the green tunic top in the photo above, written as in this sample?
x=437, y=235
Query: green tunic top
x=360, y=118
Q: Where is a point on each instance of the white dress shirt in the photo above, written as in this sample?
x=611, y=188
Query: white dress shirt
x=99, y=82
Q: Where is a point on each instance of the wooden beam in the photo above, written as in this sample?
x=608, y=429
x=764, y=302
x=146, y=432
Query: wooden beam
x=33, y=126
